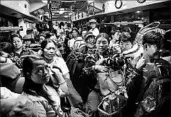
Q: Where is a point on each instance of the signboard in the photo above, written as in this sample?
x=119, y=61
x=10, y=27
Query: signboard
x=55, y=5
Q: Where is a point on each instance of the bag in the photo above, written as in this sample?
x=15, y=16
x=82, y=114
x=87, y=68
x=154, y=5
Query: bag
x=109, y=81
x=73, y=59
x=156, y=90
x=153, y=98
x=112, y=104
x=9, y=70
x=65, y=104
x=76, y=112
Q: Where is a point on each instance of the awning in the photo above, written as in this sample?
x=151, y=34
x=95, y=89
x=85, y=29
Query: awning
x=140, y=8
x=35, y=6
x=14, y=13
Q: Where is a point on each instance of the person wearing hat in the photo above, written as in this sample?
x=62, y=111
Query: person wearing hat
x=28, y=40
x=93, y=29
x=89, y=43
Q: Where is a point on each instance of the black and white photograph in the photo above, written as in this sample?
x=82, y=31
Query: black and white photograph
x=85, y=58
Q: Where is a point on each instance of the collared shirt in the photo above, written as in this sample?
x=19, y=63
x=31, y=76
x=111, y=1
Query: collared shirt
x=59, y=62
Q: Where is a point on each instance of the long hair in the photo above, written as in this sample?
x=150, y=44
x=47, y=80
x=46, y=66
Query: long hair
x=31, y=87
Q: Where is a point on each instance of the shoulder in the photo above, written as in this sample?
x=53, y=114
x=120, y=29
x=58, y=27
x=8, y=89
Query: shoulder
x=28, y=105
x=58, y=59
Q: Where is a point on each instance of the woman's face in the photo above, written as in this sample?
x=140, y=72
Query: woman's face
x=17, y=43
x=40, y=72
x=74, y=33
x=49, y=51
x=102, y=44
x=93, y=25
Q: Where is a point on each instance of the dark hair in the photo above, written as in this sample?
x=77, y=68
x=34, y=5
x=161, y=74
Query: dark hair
x=6, y=47
x=12, y=38
x=15, y=35
x=48, y=35
x=45, y=42
x=75, y=30
x=31, y=87
x=153, y=38
x=104, y=35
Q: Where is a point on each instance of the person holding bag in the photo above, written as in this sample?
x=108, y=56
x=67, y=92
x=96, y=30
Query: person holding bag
x=109, y=80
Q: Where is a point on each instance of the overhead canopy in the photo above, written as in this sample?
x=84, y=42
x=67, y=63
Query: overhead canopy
x=14, y=13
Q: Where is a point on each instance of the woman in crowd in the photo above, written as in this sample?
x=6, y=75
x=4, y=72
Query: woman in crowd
x=19, y=50
x=95, y=67
x=10, y=73
x=75, y=34
x=115, y=42
x=49, y=49
x=37, y=99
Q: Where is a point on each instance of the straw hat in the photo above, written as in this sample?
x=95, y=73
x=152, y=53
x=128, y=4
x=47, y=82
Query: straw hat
x=92, y=21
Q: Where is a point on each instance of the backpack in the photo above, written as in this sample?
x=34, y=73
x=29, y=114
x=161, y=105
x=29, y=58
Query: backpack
x=155, y=98
x=72, y=60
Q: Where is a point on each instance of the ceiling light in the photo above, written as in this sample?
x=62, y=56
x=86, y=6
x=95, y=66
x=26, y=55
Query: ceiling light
x=44, y=1
x=138, y=12
x=66, y=16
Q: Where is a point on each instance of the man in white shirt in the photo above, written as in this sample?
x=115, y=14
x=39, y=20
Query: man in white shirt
x=93, y=29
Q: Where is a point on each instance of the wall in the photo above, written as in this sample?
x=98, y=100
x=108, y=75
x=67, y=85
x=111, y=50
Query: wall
x=22, y=6
x=110, y=5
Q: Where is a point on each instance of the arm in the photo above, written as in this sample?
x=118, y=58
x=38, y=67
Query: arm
x=60, y=80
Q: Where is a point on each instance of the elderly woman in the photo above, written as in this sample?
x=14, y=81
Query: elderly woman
x=38, y=98
x=49, y=54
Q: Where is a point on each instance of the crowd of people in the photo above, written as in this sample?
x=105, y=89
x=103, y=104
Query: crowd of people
x=71, y=72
